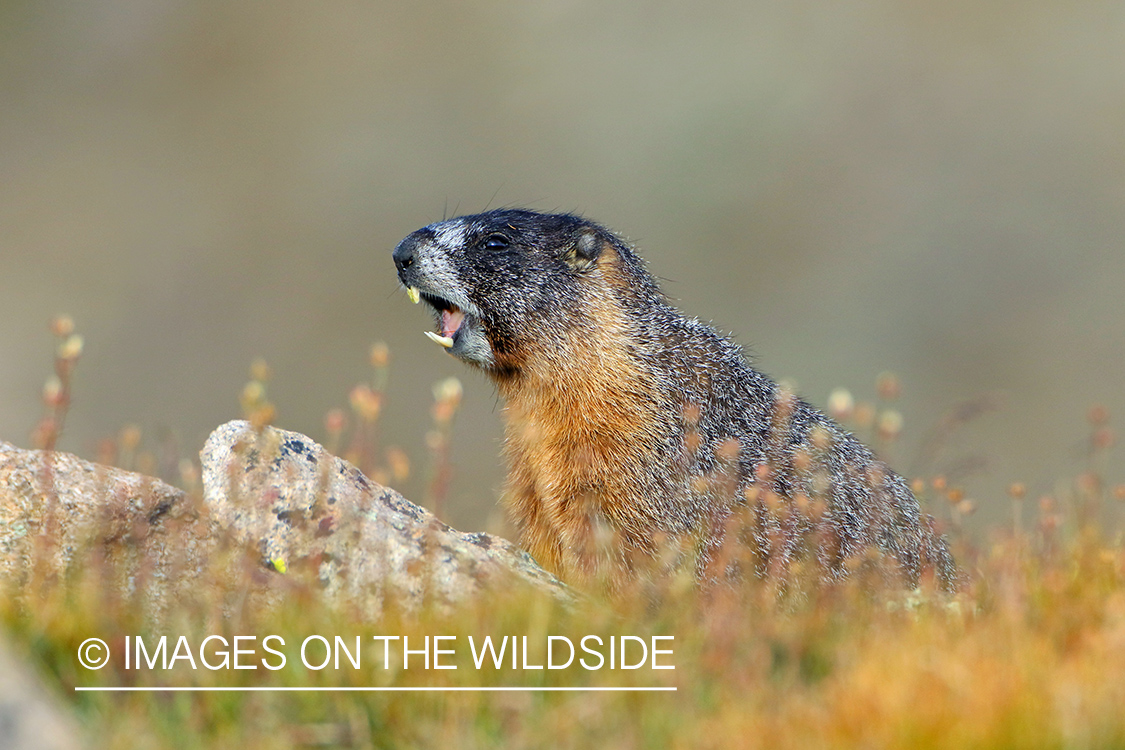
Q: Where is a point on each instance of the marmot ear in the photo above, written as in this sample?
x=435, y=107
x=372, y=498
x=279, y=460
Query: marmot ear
x=584, y=253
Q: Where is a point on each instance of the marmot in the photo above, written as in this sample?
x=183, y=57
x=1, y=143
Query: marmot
x=632, y=429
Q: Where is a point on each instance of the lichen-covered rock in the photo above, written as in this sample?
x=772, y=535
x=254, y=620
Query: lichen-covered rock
x=311, y=512
x=61, y=516
x=302, y=511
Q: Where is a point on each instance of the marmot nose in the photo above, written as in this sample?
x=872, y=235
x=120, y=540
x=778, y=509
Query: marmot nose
x=404, y=253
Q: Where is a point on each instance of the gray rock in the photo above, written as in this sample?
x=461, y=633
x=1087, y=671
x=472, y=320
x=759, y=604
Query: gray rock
x=313, y=513
x=303, y=511
x=61, y=517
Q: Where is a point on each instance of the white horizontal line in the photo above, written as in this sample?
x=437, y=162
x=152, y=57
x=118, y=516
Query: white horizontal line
x=182, y=689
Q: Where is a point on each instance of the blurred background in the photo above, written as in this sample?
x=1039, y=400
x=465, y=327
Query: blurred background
x=935, y=189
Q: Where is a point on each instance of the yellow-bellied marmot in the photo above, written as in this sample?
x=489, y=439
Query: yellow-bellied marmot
x=630, y=426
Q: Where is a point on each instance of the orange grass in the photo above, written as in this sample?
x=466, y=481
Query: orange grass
x=1030, y=653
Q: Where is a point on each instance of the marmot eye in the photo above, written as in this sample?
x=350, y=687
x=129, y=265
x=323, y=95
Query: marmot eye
x=496, y=242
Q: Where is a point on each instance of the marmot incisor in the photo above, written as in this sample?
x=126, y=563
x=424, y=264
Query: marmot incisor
x=630, y=426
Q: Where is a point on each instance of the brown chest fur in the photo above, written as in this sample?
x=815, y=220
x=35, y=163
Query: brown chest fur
x=577, y=421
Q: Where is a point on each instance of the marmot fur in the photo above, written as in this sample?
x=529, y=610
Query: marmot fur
x=632, y=429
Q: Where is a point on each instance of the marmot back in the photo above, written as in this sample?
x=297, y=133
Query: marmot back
x=632, y=430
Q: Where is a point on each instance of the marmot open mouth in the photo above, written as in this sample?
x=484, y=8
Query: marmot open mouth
x=450, y=318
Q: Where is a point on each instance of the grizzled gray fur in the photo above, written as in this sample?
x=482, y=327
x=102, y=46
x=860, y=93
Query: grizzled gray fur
x=624, y=415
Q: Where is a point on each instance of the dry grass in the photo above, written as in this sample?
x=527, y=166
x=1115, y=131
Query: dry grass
x=1031, y=653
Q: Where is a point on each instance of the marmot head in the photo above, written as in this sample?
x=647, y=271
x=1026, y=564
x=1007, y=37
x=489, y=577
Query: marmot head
x=505, y=284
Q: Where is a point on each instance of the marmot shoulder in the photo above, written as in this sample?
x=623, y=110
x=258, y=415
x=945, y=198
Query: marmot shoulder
x=632, y=429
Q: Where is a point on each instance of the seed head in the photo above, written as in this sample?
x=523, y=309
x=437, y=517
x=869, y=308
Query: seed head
x=365, y=402
x=62, y=325
x=335, y=421
x=53, y=391
x=380, y=355
x=887, y=386
x=71, y=348
x=890, y=424
x=841, y=405
x=260, y=370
